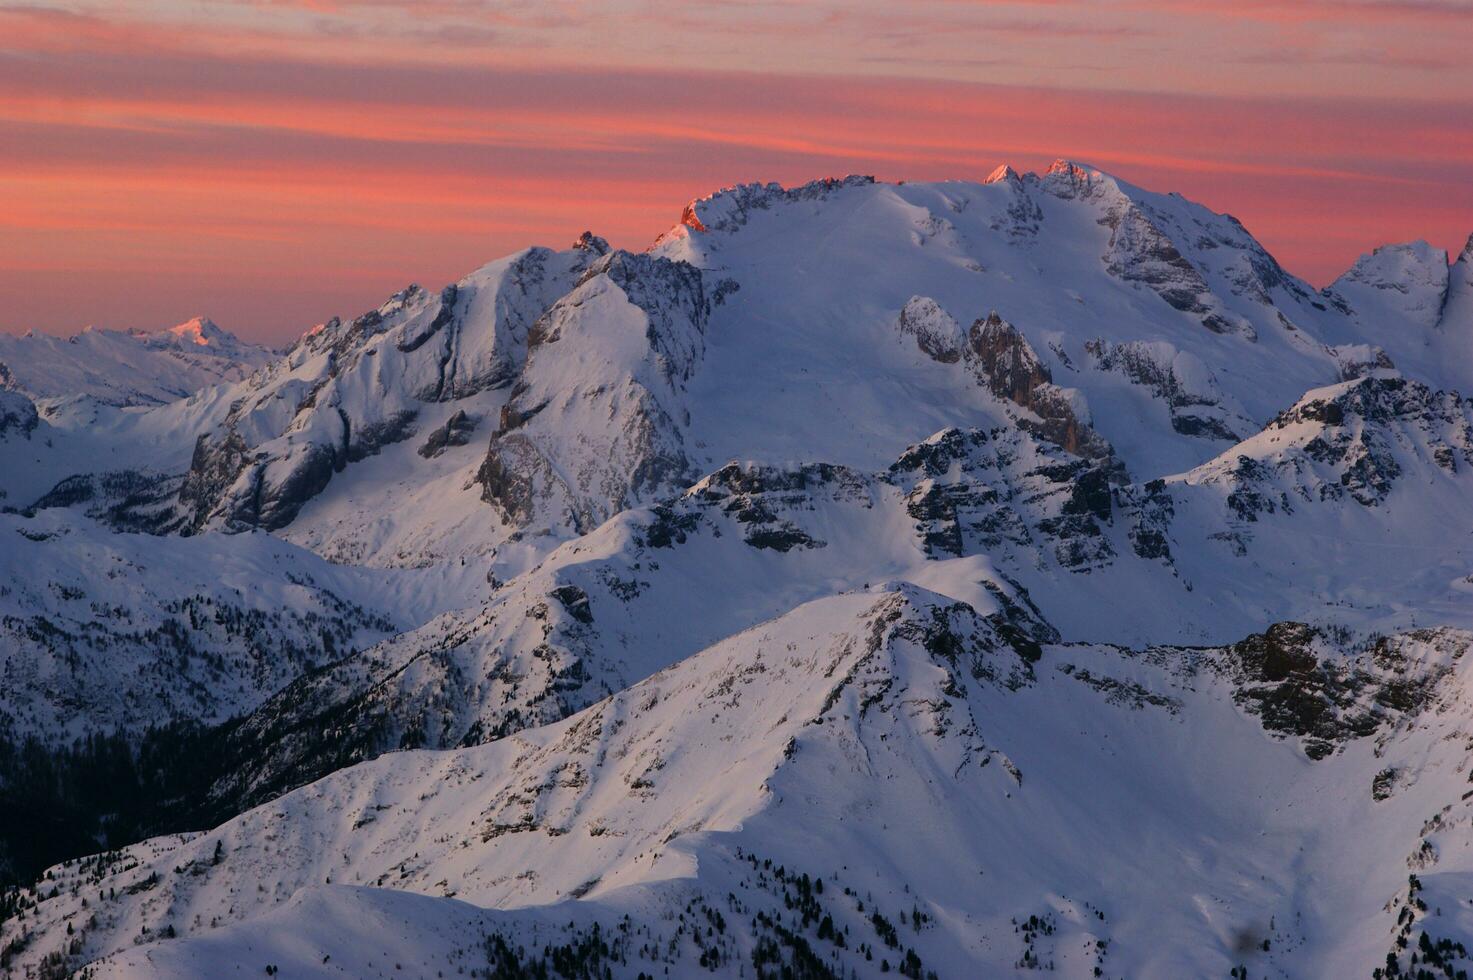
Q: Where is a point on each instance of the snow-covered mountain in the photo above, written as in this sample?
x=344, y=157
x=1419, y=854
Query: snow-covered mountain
x=127, y=368
x=961, y=578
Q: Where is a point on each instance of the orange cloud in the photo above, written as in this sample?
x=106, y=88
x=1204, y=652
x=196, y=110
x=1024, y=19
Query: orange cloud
x=153, y=169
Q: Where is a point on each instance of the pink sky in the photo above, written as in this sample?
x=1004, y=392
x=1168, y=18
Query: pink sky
x=271, y=164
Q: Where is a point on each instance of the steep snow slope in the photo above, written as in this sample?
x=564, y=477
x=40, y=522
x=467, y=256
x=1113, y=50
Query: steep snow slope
x=346, y=390
x=1035, y=555
x=133, y=368
x=892, y=744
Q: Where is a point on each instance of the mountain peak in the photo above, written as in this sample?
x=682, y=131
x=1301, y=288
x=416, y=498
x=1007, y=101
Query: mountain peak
x=1070, y=179
x=199, y=330
x=589, y=242
x=1002, y=173
x=1409, y=264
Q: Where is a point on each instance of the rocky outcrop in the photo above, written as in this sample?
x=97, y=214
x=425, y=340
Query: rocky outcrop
x=1300, y=682
x=760, y=498
x=1003, y=494
x=1179, y=379
x=729, y=209
x=936, y=332
x=455, y=432
x=1364, y=424
x=1358, y=360
x=1007, y=365
x=1355, y=441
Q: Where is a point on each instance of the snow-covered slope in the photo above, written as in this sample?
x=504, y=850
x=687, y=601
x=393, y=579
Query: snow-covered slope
x=892, y=744
x=783, y=329
x=1032, y=562
x=132, y=368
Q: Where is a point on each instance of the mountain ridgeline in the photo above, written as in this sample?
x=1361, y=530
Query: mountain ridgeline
x=941, y=579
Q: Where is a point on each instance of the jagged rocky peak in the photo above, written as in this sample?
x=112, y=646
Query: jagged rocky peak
x=1005, y=360
x=1067, y=179
x=1003, y=173
x=589, y=242
x=199, y=331
x=349, y=389
x=1457, y=310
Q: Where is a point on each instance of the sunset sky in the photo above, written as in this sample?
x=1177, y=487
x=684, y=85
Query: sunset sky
x=271, y=164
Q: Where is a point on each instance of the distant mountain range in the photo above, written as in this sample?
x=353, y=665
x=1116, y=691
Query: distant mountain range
x=127, y=368
x=956, y=579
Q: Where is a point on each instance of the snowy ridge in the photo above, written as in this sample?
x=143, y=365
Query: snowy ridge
x=847, y=714
x=955, y=579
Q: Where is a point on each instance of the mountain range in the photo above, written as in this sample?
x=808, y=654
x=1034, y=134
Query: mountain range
x=959, y=579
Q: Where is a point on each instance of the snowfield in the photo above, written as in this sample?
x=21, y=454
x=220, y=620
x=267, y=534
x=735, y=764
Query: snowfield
x=956, y=579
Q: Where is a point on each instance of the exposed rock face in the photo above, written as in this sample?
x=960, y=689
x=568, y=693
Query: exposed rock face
x=212, y=471
x=936, y=332
x=1150, y=535
x=1359, y=360
x=1361, y=423
x=731, y=208
x=229, y=482
x=1141, y=250
x=1007, y=365
x=1299, y=683
x=1181, y=380
x=455, y=432
x=639, y=323
x=1351, y=441
x=1001, y=493
x=757, y=497
x=1005, y=361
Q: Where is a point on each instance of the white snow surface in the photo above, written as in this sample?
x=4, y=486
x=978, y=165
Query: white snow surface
x=127, y=367
x=1034, y=554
